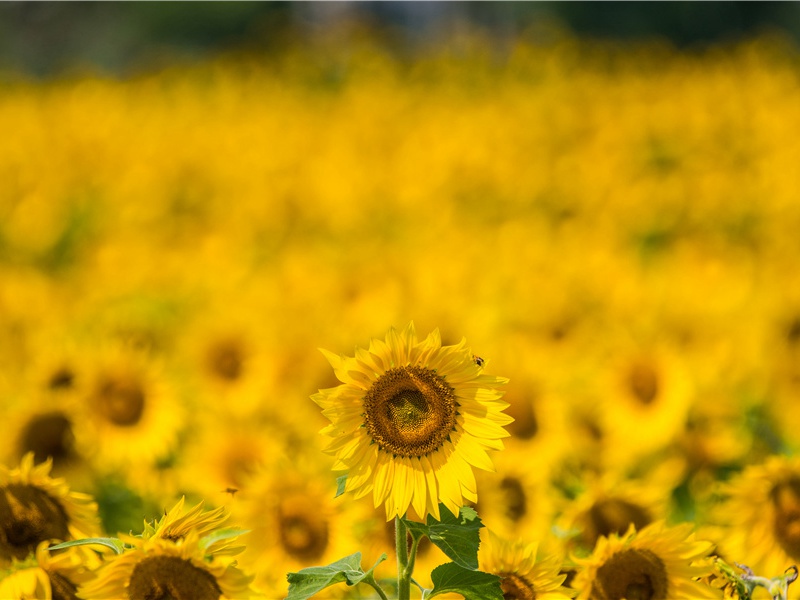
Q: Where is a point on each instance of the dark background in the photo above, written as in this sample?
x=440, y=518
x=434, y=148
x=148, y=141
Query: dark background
x=47, y=38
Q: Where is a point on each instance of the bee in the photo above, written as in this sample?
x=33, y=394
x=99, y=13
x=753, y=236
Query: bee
x=478, y=360
x=230, y=490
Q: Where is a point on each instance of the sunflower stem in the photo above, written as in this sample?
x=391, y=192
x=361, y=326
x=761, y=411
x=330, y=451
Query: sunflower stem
x=370, y=580
x=403, y=573
x=412, y=557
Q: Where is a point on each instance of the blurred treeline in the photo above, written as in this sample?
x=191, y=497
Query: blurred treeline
x=45, y=38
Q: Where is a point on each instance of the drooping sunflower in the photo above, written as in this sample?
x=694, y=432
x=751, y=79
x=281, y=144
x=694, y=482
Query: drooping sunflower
x=523, y=576
x=655, y=563
x=46, y=575
x=157, y=567
x=411, y=419
x=35, y=508
x=761, y=516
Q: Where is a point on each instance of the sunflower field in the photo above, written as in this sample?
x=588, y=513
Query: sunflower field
x=587, y=259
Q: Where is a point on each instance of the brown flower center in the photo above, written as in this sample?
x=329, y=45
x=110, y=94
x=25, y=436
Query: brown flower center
x=633, y=574
x=612, y=515
x=516, y=587
x=120, y=400
x=225, y=359
x=516, y=500
x=28, y=516
x=410, y=411
x=304, y=532
x=786, y=526
x=525, y=425
x=171, y=578
x=643, y=383
x=48, y=435
x=62, y=588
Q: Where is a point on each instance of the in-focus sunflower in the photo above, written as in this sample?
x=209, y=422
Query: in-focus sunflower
x=522, y=576
x=411, y=419
x=35, y=508
x=761, y=516
x=46, y=575
x=656, y=563
x=157, y=567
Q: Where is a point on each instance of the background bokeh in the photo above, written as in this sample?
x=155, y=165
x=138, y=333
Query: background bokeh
x=601, y=199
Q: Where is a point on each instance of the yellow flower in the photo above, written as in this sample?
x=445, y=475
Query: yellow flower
x=46, y=575
x=411, y=420
x=761, y=516
x=523, y=577
x=658, y=562
x=35, y=508
x=177, y=523
x=157, y=568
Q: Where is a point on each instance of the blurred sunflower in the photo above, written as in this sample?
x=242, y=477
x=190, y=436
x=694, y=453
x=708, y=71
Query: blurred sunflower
x=129, y=412
x=517, y=500
x=655, y=563
x=609, y=505
x=46, y=575
x=760, y=518
x=294, y=522
x=522, y=575
x=157, y=567
x=35, y=507
x=411, y=420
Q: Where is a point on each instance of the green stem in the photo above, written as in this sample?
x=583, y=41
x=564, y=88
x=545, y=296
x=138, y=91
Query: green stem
x=401, y=546
x=412, y=556
x=370, y=580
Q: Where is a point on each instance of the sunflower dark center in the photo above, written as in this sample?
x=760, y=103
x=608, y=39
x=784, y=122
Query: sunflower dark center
x=171, y=578
x=48, y=435
x=633, y=574
x=61, y=587
x=120, y=401
x=786, y=499
x=516, y=500
x=612, y=515
x=304, y=532
x=643, y=383
x=28, y=516
x=226, y=360
x=516, y=587
x=410, y=411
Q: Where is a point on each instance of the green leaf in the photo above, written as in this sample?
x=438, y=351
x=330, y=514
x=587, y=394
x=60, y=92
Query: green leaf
x=458, y=537
x=341, y=482
x=115, y=544
x=307, y=582
x=475, y=585
x=220, y=535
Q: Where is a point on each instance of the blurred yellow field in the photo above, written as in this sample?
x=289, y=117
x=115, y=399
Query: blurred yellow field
x=613, y=228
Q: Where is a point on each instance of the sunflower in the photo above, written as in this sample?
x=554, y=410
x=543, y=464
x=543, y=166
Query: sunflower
x=762, y=516
x=522, y=575
x=410, y=421
x=35, y=507
x=611, y=503
x=657, y=562
x=46, y=575
x=177, y=523
x=157, y=567
x=294, y=522
x=130, y=413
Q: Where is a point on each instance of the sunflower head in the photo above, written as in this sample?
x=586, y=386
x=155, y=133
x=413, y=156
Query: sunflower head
x=156, y=567
x=658, y=562
x=411, y=419
x=35, y=508
x=523, y=576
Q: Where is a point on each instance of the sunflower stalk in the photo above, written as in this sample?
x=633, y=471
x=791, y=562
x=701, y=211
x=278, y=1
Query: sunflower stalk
x=403, y=571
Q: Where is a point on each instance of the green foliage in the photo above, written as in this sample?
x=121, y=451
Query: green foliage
x=475, y=585
x=458, y=537
x=341, y=483
x=220, y=535
x=115, y=544
x=307, y=582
